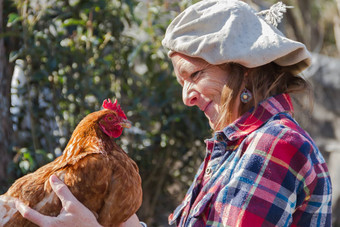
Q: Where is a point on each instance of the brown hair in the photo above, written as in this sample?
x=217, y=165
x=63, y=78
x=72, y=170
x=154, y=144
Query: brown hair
x=263, y=81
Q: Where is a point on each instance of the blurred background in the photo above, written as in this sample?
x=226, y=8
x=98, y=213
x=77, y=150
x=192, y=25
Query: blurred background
x=59, y=59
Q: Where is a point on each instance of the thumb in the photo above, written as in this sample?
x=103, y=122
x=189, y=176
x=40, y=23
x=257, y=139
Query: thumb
x=62, y=191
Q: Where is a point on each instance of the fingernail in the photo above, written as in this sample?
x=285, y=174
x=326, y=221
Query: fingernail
x=54, y=179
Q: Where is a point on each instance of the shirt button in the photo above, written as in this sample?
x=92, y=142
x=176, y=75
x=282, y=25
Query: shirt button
x=208, y=171
x=219, y=138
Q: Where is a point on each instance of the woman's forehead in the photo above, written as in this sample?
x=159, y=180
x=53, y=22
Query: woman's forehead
x=187, y=58
x=184, y=61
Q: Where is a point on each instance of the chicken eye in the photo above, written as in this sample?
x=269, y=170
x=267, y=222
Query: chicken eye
x=109, y=118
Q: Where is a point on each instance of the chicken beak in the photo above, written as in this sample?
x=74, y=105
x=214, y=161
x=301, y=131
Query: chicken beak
x=125, y=123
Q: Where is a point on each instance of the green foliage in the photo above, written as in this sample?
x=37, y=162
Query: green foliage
x=77, y=53
x=29, y=161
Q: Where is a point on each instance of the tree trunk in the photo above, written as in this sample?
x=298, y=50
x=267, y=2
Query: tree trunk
x=337, y=27
x=6, y=129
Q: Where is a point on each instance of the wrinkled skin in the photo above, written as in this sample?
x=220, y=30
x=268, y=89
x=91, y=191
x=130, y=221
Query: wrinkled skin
x=202, y=85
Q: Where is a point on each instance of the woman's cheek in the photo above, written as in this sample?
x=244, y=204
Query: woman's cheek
x=211, y=88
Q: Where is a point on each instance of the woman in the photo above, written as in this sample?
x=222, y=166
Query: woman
x=260, y=168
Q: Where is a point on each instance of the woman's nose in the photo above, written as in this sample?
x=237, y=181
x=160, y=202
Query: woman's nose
x=190, y=96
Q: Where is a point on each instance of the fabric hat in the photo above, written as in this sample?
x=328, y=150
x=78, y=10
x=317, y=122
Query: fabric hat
x=222, y=31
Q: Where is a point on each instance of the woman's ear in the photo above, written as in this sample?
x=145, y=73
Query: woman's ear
x=246, y=73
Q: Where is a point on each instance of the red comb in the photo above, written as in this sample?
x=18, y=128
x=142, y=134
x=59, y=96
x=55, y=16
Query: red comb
x=107, y=104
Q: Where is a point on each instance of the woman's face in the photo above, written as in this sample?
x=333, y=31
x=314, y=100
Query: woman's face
x=202, y=84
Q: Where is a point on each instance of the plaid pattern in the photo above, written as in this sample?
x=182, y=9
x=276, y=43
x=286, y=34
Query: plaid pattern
x=262, y=170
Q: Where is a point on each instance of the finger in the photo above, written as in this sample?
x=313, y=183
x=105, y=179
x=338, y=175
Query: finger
x=62, y=191
x=132, y=221
x=30, y=214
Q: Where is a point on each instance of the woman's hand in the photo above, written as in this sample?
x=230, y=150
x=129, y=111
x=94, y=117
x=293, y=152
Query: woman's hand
x=133, y=221
x=72, y=214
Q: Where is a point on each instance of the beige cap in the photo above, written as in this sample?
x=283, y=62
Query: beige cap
x=222, y=31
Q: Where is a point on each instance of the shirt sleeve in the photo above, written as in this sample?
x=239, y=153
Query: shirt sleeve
x=274, y=178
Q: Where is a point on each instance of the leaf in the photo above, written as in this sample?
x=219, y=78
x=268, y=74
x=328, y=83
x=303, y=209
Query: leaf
x=13, y=17
x=133, y=55
x=14, y=55
x=72, y=21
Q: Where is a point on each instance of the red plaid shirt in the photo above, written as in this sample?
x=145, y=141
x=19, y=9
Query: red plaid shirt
x=261, y=170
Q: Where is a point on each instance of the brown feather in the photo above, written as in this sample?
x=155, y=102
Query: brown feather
x=96, y=170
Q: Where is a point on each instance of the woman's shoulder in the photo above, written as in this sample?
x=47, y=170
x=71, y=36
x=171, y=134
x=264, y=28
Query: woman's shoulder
x=283, y=133
x=282, y=145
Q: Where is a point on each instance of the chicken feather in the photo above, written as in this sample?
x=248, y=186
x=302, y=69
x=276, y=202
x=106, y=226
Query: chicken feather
x=96, y=170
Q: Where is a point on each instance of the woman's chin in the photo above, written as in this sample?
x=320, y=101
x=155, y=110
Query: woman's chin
x=212, y=114
x=212, y=124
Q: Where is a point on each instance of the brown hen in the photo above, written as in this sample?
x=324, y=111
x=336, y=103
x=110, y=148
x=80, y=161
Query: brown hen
x=96, y=170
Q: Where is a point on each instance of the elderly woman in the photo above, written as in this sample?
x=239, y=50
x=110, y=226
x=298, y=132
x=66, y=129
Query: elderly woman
x=261, y=168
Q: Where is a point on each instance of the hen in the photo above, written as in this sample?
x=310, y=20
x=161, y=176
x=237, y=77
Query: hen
x=97, y=171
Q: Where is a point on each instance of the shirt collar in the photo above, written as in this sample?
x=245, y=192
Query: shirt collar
x=252, y=120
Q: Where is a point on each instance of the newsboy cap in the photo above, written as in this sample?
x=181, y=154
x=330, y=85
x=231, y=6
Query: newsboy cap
x=230, y=31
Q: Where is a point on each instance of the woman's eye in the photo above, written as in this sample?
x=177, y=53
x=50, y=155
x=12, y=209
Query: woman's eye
x=194, y=75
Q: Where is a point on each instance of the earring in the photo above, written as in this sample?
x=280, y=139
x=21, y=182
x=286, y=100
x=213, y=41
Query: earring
x=246, y=95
